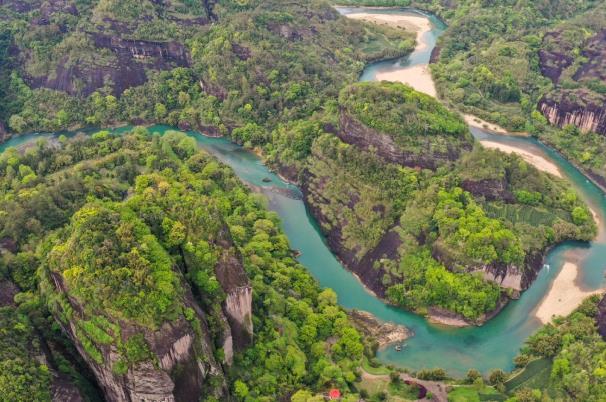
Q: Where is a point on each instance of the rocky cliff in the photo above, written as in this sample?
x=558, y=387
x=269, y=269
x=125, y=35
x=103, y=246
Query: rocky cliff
x=428, y=156
x=383, y=333
x=181, y=366
x=580, y=105
x=576, y=107
x=512, y=277
x=601, y=317
x=315, y=186
x=127, y=68
x=237, y=306
x=105, y=49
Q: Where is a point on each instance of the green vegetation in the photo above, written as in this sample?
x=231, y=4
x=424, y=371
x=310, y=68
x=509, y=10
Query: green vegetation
x=569, y=360
x=498, y=61
x=22, y=376
x=400, y=111
x=475, y=209
x=143, y=217
x=475, y=393
x=275, y=53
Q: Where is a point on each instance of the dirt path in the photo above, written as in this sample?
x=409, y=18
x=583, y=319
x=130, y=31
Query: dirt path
x=437, y=389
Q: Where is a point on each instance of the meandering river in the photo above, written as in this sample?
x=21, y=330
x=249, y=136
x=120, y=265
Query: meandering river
x=493, y=345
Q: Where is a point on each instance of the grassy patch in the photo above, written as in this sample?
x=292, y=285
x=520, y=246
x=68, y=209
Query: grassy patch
x=473, y=394
x=381, y=370
x=535, y=375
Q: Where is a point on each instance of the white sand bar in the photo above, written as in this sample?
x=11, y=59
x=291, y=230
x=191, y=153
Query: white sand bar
x=475, y=121
x=564, y=296
x=417, y=24
x=419, y=76
x=536, y=160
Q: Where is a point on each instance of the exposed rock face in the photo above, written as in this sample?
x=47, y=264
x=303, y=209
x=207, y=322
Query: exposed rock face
x=576, y=108
x=581, y=107
x=384, y=333
x=354, y=132
x=4, y=135
x=185, y=360
x=553, y=63
x=442, y=316
x=601, y=317
x=595, y=51
x=8, y=290
x=490, y=189
x=238, y=302
x=62, y=390
x=291, y=33
x=371, y=277
x=132, y=59
x=509, y=277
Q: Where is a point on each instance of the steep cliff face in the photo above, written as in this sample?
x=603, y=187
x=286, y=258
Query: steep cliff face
x=237, y=306
x=582, y=106
x=356, y=257
x=109, y=45
x=601, y=317
x=354, y=132
x=577, y=107
x=182, y=363
x=127, y=68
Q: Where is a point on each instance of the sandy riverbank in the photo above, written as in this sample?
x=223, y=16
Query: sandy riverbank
x=537, y=161
x=564, y=295
x=412, y=23
x=419, y=76
x=475, y=121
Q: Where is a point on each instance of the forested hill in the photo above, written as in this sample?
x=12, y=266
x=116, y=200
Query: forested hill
x=425, y=218
x=144, y=266
x=248, y=64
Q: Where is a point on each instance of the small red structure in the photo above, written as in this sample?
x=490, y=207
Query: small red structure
x=334, y=394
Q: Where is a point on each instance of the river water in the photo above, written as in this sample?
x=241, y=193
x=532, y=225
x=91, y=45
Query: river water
x=493, y=345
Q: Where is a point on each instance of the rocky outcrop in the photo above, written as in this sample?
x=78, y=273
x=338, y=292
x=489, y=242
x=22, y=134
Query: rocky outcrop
x=363, y=268
x=132, y=58
x=292, y=33
x=8, y=290
x=581, y=106
x=62, y=390
x=238, y=301
x=601, y=317
x=438, y=315
x=490, y=189
x=384, y=333
x=4, y=134
x=182, y=363
x=356, y=133
x=508, y=277
x=576, y=107
x=595, y=52
x=442, y=316
x=553, y=62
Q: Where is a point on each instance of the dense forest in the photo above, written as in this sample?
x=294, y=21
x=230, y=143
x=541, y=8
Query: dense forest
x=421, y=220
x=119, y=239
x=534, y=67
x=565, y=360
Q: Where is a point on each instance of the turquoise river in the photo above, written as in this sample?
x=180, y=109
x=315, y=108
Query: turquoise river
x=492, y=345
